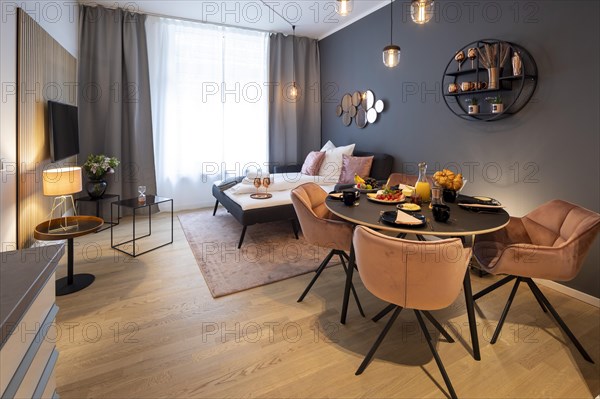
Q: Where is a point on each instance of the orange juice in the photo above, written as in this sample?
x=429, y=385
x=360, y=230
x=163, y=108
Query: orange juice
x=423, y=189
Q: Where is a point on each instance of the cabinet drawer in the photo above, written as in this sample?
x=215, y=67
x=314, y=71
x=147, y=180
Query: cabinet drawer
x=35, y=371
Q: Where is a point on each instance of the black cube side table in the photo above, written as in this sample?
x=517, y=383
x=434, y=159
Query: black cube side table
x=98, y=202
x=134, y=204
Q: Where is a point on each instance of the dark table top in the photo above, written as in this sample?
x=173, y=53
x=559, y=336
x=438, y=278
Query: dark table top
x=23, y=274
x=85, y=225
x=462, y=222
x=135, y=204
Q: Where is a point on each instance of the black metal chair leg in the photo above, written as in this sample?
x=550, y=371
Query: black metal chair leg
x=560, y=322
x=385, y=311
x=435, y=355
x=505, y=311
x=492, y=287
x=318, y=273
x=295, y=228
x=537, y=298
x=360, y=309
x=382, y=335
x=242, y=237
x=216, y=206
x=437, y=325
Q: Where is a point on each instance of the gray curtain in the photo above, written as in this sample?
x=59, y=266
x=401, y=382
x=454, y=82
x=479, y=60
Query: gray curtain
x=294, y=126
x=114, y=96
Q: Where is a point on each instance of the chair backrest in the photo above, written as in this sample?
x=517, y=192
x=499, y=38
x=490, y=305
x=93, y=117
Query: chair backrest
x=424, y=275
x=401, y=178
x=561, y=224
x=316, y=220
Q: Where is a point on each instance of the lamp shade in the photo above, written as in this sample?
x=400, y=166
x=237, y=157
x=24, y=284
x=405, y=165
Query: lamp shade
x=421, y=11
x=391, y=56
x=62, y=181
x=344, y=7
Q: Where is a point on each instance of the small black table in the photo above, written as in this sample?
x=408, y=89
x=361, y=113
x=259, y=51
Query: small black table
x=97, y=202
x=135, y=204
x=463, y=223
x=85, y=225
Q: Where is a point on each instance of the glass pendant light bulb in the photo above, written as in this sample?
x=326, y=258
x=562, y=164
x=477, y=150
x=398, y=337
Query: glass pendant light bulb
x=344, y=7
x=421, y=11
x=391, y=56
x=293, y=91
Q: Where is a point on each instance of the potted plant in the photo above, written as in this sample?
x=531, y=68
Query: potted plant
x=473, y=105
x=96, y=168
x=497, y=105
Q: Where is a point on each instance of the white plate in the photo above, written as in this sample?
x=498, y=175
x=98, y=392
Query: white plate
x=372, y=198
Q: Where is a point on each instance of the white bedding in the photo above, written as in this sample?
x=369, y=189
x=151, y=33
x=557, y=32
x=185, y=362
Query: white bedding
x=282, y=184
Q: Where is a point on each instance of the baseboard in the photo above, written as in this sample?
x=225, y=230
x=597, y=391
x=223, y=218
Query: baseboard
x=563, y=289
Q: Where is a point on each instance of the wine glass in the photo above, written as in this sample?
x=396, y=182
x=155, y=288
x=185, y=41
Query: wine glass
x=472, y=54
x=460, y=58
x=257, y=183
x=266, y=182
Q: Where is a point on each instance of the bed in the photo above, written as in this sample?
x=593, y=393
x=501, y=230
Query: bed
x=234, y=195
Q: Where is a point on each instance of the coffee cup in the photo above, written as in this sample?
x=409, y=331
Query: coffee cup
x=441, y=213
x=350, y=196
x=466, y=86
x=452, y=88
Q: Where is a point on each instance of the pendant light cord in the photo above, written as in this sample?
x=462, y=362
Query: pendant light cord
x=391, y=21
x=294, y=54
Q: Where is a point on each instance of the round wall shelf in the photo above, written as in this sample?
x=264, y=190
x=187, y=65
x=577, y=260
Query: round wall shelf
x=516, y=80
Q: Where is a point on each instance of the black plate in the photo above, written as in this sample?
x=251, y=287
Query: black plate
x=390, y=218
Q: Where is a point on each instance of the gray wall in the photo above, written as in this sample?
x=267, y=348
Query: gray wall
x=551, y=149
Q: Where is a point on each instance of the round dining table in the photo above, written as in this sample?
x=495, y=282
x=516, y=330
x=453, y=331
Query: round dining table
x=464, y=222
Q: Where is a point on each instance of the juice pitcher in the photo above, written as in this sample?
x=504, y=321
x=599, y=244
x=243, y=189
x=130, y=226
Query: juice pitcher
x=422, y=188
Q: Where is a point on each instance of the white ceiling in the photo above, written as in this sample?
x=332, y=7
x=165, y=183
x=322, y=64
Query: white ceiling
x=313, y=18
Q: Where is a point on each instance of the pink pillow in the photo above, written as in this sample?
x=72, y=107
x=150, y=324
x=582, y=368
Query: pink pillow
x=354, y=165
x=313, y=162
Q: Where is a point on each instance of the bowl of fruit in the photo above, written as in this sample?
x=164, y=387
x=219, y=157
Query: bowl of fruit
x=366, y=185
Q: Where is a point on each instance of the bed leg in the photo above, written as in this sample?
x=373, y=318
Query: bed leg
x=216, y=206
x=295, y=228
x=242, y=236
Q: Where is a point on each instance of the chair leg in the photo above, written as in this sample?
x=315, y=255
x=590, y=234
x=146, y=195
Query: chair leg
x=216, y=206
x=382, y=335
x=318, y=273
x=505, y=311
x=435, y=355
x=537, y=298
x=437, y=325
x=242, y=237
x=295, y=228
x=385, y=311
x=560, y=322
x=360, y=309
x=492, y=287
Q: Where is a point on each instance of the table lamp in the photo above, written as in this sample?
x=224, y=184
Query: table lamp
x=62, y=183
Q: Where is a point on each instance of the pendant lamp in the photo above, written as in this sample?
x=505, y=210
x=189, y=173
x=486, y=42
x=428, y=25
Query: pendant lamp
x=344, y=7
x=293, y=89
x=391, y=53
x=421, y=11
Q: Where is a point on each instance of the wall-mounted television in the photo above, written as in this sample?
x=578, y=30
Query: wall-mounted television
x=63, y=128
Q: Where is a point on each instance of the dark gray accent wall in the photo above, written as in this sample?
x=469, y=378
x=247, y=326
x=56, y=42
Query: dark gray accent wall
x=551, y=149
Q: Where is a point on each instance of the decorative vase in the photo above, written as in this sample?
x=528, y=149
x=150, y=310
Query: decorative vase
x=493, y=75
x=96, y=188
x=473, y=109
x=517, y=64
x=449, y=195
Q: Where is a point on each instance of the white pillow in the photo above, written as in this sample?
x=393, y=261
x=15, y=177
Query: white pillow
x=328, y=146
x=331, y=168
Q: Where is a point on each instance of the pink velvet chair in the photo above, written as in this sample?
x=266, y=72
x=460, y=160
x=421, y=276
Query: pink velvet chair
x=401, y=178
x=320, y=227
x=416, y=275
x=549, y=243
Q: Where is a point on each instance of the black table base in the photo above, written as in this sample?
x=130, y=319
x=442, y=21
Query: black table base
x=80, y=281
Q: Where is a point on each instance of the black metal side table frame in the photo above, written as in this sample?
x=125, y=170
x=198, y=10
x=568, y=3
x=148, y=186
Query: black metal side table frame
x=97, y=201
x=134, y=204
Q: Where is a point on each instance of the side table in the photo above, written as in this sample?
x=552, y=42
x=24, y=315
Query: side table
x=98, y=203
x=86, y=225
x=134, y=204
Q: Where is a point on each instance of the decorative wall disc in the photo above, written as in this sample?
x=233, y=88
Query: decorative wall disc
x=361, y=106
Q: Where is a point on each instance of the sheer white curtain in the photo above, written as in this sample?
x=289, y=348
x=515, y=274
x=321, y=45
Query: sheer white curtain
x=209, y=105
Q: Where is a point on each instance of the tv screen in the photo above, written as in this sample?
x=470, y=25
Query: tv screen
x=63, y=128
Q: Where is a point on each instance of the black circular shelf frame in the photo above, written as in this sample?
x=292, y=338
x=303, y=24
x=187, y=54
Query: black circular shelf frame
x=516, y=89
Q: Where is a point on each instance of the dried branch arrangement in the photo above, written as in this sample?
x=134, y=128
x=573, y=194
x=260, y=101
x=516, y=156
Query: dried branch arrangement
x=489, y=55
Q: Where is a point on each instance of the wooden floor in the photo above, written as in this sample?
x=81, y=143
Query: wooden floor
x=148, y=328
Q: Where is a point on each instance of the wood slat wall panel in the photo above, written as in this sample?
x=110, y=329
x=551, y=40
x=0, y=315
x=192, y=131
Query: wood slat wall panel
x=45, y=71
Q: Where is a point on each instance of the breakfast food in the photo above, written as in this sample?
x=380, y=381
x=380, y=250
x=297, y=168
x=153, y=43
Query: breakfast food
x=368, y=183
x=448, y=179
x=410, y=207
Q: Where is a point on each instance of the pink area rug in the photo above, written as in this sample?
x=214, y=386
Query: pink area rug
x=270, y=252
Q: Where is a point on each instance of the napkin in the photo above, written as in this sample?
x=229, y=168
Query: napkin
x=404, y=218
